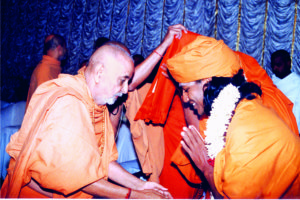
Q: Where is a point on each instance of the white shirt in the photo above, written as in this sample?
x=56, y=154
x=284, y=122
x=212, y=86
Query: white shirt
x=290, y=86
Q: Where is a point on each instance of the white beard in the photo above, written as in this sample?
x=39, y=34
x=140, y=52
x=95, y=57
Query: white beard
x=112, y=100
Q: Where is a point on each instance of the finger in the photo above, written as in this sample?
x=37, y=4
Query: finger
x=180, y=26
x=185, y=147
x=187, y=137
x=178, y=35
x=164, y=67
x=159, y=187
x=191, y=127
x=195, y=136
x=165, y=74
x=168, y=195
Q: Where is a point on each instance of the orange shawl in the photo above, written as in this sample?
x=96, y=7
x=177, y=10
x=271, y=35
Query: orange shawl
x=65, y=143
x=261, y=156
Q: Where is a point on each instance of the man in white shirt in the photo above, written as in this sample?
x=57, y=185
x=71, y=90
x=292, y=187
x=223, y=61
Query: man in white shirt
x=286, y=80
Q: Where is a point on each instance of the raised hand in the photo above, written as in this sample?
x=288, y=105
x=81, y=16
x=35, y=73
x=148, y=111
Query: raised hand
x=193, y=144
x=175, y=30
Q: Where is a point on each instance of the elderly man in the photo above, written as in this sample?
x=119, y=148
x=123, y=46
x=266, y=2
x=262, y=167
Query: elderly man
x=246, y=150
x=50, y=66
x=65, y=147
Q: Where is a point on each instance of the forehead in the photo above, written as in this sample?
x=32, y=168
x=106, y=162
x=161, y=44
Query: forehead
x=123, y=67
x=186, y=86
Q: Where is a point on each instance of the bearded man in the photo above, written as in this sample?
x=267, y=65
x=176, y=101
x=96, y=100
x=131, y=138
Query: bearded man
x=65, y=147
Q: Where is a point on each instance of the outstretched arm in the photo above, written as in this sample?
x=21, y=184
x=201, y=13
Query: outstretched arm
x=119, y=175
x=105, y=189
x=143, y=70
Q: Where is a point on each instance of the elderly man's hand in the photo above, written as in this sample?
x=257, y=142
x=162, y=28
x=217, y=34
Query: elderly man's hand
x=150, y=194
x=153, y=189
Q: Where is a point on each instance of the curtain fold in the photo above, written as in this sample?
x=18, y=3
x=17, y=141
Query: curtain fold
x=135, y=26
x=257, y=28
x=74, y=45
x=227, y=21
x=153, y=26
x=252, y=28
x=279, y=30
x=296, y=55
x=87, y=36
x=119, y=21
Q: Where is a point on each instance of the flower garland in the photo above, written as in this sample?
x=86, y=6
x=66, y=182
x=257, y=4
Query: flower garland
x=217, y=124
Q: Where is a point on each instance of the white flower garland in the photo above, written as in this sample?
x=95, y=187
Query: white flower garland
x=220, y=116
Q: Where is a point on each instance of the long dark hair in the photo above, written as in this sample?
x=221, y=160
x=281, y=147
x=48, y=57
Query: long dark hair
x=214, y=87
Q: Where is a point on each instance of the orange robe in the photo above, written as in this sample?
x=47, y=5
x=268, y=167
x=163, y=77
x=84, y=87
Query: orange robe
x=148, y=139
x=157, y=110
x=48, y=69
x=162, y=108
x=65, y=142
x=261, y=156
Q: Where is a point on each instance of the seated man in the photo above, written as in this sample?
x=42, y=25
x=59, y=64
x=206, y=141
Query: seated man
x=288, y=82
x=66, y=147
x=246, y=150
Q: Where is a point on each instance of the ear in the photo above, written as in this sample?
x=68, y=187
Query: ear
x=58, y=48
x=206, y=80
x=289, y=64
x=99, y=69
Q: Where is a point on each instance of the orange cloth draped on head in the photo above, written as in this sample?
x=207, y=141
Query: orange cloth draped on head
x=168, y=111
x=205, y=57
x=156, y=109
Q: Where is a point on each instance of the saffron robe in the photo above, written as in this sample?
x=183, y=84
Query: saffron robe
x=65, y=142
x=148, y=139
x=47, y=69
x=162, y=108
x=157, y=110
x=261, y=156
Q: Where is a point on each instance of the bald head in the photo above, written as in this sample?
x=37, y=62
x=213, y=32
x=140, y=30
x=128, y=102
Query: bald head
x=110, y=50
x=108, y=72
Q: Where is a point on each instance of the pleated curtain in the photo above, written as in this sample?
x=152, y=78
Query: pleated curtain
x=255, y=27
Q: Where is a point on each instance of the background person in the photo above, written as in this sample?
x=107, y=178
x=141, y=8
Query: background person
x=286, y=80
x=49, y=67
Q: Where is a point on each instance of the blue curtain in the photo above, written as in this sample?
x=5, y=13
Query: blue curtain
x=252, y=28
x=279, y=28
x=257, y=28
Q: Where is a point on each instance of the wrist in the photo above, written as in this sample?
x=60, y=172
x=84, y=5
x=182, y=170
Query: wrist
x=208, y=170
x=162, y=47
x=158, y=53
x=128, y=194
